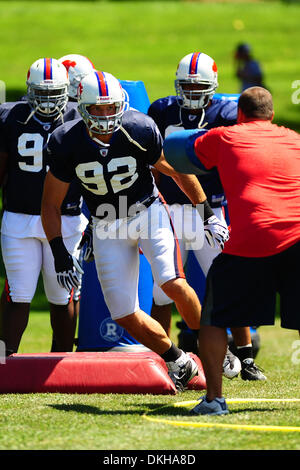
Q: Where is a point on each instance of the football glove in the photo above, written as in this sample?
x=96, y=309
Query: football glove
x=216, y=232
x=66, y=266
x=87, y=240
x=69, y=277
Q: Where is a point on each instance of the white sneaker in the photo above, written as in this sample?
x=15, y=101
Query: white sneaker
x=232, y=365
x=218, y=406
x=182, y=370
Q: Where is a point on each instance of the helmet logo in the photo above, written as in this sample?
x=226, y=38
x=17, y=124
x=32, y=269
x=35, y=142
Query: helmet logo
x=214, y=67
x=69, y=63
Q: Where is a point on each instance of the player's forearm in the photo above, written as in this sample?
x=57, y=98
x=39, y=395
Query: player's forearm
x=191, y=187
x=53, y=196
x=51, y=220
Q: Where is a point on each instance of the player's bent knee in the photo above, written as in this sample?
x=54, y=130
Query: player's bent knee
x=123, y=320
x=159, y=297
x=175, y=288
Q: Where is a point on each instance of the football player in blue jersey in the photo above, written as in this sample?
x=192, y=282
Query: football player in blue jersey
x=109, y=152
x=25, y=127
x=194, y=107
x=78, y=66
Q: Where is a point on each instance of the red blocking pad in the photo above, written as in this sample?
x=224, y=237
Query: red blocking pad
x=89, y=372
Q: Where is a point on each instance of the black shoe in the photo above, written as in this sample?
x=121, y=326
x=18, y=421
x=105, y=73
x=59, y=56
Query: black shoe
x=182, y=371
x=250, y=371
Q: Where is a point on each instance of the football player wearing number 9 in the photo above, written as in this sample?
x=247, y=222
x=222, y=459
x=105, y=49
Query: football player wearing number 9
x=25, y=127
x=110, y=152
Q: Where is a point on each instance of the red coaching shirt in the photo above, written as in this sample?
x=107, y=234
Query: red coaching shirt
x=259, y=167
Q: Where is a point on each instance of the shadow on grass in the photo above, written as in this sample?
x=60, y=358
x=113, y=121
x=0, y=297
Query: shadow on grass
x=156, y=409
x=170, y=411
x=88, y=409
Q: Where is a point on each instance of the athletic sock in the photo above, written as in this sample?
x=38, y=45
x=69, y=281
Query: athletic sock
x=245, y=352
x=172, y=354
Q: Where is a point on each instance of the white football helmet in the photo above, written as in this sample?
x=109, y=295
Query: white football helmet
x=199, y=69
x=47, y=87
x=78, y=66
x=101, y=88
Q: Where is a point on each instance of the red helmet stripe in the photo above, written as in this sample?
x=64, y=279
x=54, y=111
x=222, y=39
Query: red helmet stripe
x=47, y=69
x=103, y=90
x=194, y=63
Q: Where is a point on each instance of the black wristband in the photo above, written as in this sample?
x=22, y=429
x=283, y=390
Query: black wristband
x=62, y=258
x=205, y=210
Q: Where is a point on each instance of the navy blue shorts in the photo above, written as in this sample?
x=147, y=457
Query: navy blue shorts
x=242, y=291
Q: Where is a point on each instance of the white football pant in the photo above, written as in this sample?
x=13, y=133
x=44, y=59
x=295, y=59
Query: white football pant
x=185, y=216
x=116, y=251
x=25, y=258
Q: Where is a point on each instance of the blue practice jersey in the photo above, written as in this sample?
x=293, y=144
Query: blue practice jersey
x=26, y=146
x=169, y=117
x=107, y=174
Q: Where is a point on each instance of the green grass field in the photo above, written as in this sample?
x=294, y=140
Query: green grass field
x=144, y=41
x=118, y=422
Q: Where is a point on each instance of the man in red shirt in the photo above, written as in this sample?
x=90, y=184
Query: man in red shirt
x=259, y=167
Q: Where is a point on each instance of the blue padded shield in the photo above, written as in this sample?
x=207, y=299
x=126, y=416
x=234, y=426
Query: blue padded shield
x=226, y=96
x=179, y=152
x=136, y=95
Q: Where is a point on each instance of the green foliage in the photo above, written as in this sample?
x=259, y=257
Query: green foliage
x=145, y=40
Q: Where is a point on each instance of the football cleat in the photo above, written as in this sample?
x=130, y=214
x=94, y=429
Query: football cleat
x=250, y=371
x=182, y=371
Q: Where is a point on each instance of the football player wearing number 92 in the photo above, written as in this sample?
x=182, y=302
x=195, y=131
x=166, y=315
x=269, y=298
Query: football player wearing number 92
x=110, y=152
x=25, y=127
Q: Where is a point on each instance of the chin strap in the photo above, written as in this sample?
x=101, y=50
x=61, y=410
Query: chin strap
x=125, y=133
x=200, y=125
x=132, y=140
x=98, y=140
x=60, y=115
x=180, y=119
x=29, y=117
